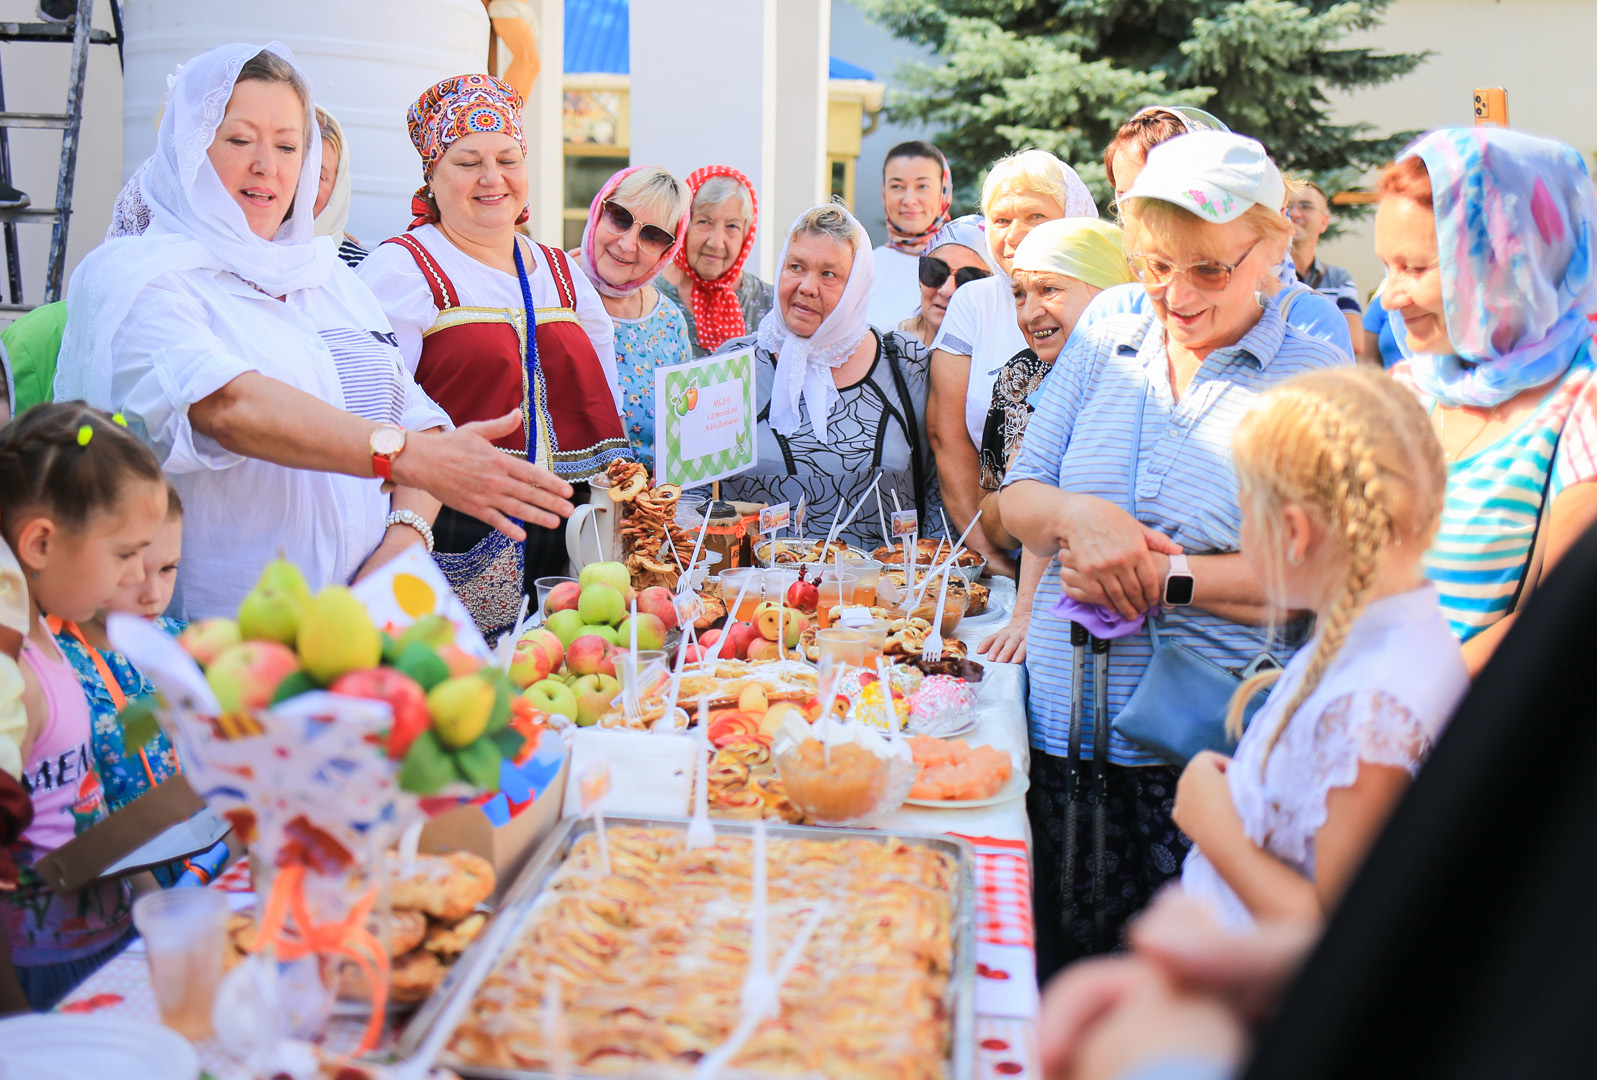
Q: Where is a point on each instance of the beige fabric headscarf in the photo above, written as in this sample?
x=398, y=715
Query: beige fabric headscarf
x=1087, y=249
x=335, y=215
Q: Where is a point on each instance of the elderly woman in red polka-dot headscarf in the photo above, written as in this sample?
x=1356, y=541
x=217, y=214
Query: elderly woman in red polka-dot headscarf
x=491, y=322
x=706, y=280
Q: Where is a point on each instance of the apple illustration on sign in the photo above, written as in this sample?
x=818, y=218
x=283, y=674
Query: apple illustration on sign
x=688, y=400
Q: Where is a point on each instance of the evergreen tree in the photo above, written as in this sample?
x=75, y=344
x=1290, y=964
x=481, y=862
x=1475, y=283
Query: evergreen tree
x=1064, y=74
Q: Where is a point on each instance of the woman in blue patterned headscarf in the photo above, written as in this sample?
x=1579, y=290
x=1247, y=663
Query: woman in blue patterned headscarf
x=1488, y=238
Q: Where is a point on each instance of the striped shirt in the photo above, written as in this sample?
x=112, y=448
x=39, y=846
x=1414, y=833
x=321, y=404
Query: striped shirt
x=1494, y=498
x=1080, y=439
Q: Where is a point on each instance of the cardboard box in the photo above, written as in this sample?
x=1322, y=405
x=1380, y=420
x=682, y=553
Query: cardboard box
x=507, y=845
x=87, y=856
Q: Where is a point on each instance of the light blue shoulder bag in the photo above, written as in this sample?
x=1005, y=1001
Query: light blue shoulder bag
x=1180, y=703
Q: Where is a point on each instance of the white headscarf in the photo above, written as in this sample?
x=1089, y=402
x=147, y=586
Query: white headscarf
x=194, y=224
x=804, y=365
x=969, y=231
x=335, y=215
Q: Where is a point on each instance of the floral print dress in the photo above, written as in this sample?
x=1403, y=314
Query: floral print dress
x=659, y=339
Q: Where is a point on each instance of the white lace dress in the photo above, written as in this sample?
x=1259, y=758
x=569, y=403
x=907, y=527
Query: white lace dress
x=1384, y=700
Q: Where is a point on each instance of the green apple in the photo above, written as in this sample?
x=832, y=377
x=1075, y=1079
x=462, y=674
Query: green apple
x=594, y=695
x=601, y=603
x=651, y=632
x=553, y=696
x=609, y=633
x=567, y=626
x=614, y=574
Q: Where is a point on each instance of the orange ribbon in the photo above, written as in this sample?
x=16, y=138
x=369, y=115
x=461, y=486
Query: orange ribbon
x=348, y=938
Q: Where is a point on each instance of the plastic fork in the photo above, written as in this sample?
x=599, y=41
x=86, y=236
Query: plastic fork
x=933, y=649
x=700, y=832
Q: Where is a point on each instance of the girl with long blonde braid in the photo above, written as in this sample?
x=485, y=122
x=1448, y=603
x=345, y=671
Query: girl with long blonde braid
x=1341, y=485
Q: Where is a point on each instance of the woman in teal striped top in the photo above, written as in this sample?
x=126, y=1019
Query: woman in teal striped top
x=1489, y=237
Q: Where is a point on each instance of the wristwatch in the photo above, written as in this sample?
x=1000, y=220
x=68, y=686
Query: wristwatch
x=387, y=442
x=415, y=521
x=1178, y=583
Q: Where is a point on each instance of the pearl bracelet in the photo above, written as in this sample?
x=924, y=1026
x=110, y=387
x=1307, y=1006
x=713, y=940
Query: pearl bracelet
x=415, y=521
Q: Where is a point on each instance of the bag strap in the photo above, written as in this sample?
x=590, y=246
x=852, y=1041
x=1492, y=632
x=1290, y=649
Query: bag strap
x=917, y=466
x=1131, y=486
x=1541, y=516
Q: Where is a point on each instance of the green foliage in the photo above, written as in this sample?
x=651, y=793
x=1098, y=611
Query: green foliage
x=1063, y=75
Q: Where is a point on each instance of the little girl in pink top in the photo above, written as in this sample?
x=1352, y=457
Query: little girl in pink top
x=80, y=499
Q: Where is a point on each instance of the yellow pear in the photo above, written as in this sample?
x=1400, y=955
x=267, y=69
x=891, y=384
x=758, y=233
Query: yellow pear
x=336, y=635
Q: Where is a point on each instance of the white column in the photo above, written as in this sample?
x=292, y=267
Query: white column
x=803, y=37
x=704, y=92
x=545, y=148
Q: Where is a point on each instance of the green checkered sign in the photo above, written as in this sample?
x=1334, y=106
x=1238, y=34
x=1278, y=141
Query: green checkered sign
x=704, y=419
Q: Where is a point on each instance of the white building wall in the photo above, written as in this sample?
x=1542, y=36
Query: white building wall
x=1537, y=49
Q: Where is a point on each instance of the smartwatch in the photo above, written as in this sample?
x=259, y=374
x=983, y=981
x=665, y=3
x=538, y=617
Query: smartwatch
x=386, y=443
x=1178, y=583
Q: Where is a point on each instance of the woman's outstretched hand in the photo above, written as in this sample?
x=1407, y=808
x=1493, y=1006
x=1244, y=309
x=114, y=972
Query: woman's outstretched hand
x=464, y=470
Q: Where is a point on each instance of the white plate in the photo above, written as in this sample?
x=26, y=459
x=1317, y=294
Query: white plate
x=995, y=614
x=53, y=1046
x=1016, y=786
x=966, y=730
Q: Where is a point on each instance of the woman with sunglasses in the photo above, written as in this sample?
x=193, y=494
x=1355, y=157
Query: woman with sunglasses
x=490, y=323
x=978, y=333
x=1125, y=468
x=706, y=279
x=1057, y=270
x=956, y=255
x=635, y=226
x=840, y=403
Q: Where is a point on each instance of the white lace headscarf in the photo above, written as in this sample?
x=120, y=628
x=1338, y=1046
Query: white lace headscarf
x=804, y=365
x=194, y=223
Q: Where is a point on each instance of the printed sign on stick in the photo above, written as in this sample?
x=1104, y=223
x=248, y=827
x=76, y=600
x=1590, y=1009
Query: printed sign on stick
x=704, y=419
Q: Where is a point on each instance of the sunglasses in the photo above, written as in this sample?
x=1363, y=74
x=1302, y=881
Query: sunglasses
x=1203, y=276
x=652, y=237
x=933, y=272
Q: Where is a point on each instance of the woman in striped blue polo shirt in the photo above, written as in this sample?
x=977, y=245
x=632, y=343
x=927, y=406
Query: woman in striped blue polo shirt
x=1155, y=395
x=1489, y=237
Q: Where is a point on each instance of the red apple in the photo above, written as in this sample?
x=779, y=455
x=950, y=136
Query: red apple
x=529, y=664
x=246, y=675
x=563, y=597
x=209, y=638
x=588, y=655
x=402, y=693
x=661, y=603
x=739, y=637
x=710, y=637
x=803, y=595
x=550, y=644
x=695, y=654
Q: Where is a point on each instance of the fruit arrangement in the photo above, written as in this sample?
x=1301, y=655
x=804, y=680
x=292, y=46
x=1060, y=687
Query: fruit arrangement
x=455, y=719
x=567, y=667
x=772, y=633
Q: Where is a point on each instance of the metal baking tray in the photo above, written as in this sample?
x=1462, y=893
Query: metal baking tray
x=445, y=1008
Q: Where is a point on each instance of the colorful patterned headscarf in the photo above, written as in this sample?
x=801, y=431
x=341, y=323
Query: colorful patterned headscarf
x=717, y=316
x=1516, y=229
x=449, y=110
x=915, y=243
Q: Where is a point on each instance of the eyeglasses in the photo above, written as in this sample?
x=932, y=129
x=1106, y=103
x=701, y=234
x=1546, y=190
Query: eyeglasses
x=933, y=272
x=650, y=236
x=1304, y=206
x=1205, y=276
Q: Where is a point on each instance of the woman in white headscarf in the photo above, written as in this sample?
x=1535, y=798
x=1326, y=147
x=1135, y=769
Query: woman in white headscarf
x=978, y=334
x=332, y=190
x=839, y=403
x=957, y=254
x=264, y=374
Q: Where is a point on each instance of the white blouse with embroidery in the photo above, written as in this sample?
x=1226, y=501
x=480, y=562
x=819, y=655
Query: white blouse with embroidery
x=1383, y=701
x=391, y=273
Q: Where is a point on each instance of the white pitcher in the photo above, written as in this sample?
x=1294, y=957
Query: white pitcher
x=593, y=531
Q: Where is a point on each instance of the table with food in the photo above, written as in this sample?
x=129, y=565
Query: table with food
x=709, y=809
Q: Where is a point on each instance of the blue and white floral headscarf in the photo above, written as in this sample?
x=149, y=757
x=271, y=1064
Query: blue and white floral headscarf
x=1516, y=229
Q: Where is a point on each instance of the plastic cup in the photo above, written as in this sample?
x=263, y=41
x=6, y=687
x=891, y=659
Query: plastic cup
x=836, y=590
x=185, y=933
x=870, y=573
x=732, y=583
x=842, y=646
x=875, y=633
x=544, y=586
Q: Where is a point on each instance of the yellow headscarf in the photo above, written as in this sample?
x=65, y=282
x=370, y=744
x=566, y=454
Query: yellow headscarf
x=1087, y=249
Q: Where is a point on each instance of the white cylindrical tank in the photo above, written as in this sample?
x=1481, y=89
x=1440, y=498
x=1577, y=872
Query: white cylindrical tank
x=367, y=63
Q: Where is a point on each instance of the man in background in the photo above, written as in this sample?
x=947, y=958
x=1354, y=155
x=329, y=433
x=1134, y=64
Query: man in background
x=1311, y=216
